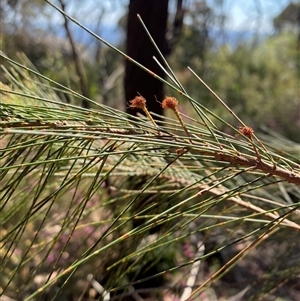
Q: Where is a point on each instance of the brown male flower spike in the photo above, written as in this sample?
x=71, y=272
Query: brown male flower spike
x=139, y=102
x=169, y=103
x=247, y=131
x=172, y=104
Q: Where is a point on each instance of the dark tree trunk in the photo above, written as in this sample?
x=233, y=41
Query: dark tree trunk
x=154, y=14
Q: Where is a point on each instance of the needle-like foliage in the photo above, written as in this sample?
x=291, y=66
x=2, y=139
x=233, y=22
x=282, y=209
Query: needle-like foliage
x=97, y=198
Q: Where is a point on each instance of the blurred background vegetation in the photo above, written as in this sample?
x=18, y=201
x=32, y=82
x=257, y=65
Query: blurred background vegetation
x=249, y=54
x=254, y=67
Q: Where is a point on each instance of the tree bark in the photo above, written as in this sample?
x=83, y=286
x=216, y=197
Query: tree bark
x=154, y=14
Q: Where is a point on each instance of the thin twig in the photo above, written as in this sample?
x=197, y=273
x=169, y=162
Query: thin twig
x=77, y=61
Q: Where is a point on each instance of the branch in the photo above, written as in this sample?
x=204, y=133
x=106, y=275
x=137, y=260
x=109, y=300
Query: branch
x=290, y=176
x=241, y=160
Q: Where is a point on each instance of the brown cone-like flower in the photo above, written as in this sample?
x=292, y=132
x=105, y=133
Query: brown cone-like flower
x=247, y=131
x=138, y=102
x=169, y=103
